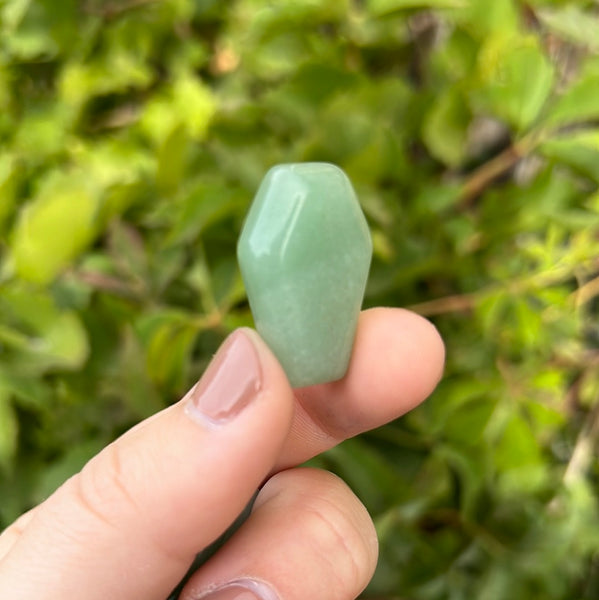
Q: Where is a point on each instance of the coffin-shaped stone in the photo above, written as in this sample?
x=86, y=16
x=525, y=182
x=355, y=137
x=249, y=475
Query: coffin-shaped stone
x=304, y=255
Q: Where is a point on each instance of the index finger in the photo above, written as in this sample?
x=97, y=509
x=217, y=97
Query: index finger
x=397, y=361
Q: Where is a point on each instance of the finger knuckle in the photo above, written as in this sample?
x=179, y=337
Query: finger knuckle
x=101, y=488
x=343, y=540
x=13, y=533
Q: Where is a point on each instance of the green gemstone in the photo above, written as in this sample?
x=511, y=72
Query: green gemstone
x=304, y=255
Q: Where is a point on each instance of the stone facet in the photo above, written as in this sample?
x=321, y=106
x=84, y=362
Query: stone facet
x=304, y=255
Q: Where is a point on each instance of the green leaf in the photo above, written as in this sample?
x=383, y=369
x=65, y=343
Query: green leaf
x=29, y=41
x=29, y=392
x=117, y=71
x=227, y=284
x=113, y=160
x=172, y=156
x=8, y=183
x=118, y=168
x=546, y=420
x=368, y=471
x=445, y=129
x=529, y=333
x=168, y=338
x=516, y=79
x=482, y=19
x=129, y=379
x=472, y=465
x=517, y=446
x=12, y=13
x=45, y=336
x=128, y=252
x=9, y=429
x=314, y=83
x=579, y=150
x=580, y=102
x=187, y=102
x=195, y=104
x=384, y=7
x=209, y=201
x=53, y=229
x=42, y=132
x=572, y=23
x=465, y=426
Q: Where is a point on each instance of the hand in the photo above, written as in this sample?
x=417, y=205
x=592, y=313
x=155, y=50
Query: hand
x=130, y=523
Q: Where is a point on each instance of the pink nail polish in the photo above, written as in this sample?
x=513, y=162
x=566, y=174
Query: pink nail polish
x=231, y=381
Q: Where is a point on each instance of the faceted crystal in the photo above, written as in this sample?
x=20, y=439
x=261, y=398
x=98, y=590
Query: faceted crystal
x=304, y=255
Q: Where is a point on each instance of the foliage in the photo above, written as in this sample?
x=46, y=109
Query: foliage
x=134, y=134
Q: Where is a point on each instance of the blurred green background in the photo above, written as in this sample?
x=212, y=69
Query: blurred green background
x=133, y=135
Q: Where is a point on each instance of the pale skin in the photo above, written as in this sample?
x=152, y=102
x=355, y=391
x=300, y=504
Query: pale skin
x=130, y=523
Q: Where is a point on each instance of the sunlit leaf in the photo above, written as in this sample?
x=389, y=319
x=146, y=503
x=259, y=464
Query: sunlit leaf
x=186, y=103
x=580, y=102
x=482, y=19
x=573, y=23
x=53, y=229
x=517, y=78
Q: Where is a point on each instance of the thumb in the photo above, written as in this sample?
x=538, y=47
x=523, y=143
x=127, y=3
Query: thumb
x=129, y=524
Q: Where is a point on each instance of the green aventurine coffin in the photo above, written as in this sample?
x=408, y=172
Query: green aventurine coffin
x=304, y=255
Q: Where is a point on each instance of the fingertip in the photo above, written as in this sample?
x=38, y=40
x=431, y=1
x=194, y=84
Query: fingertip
x=410, y=354
x=267, y=358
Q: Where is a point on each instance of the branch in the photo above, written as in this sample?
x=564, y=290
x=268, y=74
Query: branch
x=585, y=293
x=447, y=304
x=107, y=283
x=486, y=174
x=465, y=302
x=114, y=10
x=480, y=179
x=582, y=455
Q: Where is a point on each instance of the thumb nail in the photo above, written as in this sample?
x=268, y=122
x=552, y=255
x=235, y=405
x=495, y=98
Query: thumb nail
x=230, y=383
x=241, y=589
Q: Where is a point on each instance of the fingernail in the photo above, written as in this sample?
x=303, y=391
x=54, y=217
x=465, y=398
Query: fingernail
x=231, y=381
x=241, y=589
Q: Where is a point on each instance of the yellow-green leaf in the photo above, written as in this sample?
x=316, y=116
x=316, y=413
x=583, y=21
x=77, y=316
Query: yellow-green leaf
x=579, y=150
x=446, y=128
x=47, y=336
x=516, y=79
x=580, y=102
x=53, y=229
x=8, y=176
x=186, y=103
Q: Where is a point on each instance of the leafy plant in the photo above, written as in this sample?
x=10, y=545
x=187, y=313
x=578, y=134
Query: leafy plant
x=134, y=134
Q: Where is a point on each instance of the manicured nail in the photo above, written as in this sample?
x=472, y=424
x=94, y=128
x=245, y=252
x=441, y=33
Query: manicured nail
x=241, y=589
x=231, y=381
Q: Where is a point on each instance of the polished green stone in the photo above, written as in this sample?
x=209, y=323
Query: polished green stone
x=304, y=255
